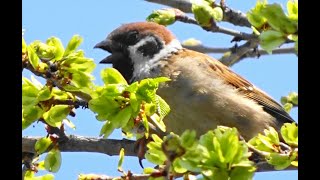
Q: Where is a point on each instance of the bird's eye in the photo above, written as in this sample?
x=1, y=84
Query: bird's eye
x=132, y=38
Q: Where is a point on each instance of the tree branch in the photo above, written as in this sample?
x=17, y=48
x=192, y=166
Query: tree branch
x=206, y=49
x=215, y=28
x=239, y=52
x=76, y=143
x=110, y=147
x=83, y=96
x=229, y=15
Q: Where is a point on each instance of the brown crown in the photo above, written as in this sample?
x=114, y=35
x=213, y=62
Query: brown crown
x=146, y=28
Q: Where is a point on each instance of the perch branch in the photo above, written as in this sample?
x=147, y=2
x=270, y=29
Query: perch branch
x=229, y=15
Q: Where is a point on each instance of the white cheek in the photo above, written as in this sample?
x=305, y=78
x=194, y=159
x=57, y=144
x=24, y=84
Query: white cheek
x=145, y=67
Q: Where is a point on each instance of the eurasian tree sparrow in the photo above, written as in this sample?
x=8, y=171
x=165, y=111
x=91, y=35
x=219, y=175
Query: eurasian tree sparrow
x=202, y=93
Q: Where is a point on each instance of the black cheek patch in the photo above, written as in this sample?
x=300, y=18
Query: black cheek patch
x=150, y=48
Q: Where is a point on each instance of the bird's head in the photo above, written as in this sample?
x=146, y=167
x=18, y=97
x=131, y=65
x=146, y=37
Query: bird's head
x=134, y=45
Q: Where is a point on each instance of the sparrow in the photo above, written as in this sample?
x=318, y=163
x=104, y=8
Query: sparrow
x=203, y=93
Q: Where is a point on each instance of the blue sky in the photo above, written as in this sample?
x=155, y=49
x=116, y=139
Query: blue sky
x=93, y=20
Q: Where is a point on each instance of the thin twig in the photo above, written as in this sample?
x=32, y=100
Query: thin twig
x=229, y=15
x=76, y=143
x=206, y=49
x=83, y=96
x=215, y=28
x=239, y=52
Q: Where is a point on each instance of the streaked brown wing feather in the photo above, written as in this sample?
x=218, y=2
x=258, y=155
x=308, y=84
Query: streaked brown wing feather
x=249, y=90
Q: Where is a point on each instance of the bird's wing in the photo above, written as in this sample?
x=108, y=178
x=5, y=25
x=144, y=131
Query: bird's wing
x=248, y=90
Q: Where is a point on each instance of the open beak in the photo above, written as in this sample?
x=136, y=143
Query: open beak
x=105, y=45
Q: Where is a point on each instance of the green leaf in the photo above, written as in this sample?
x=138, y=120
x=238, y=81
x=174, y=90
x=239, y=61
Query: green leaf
x=155, y=158
x=40, y=165
x=59, y=49
x=287, y=107
x=106, y=129
x=25, y=123
x=32, y=113
x=293, y=98
x=73, y=44
x=52, y=161
x=217, y=14
x=69, y=123
x=289, y=133
x=148, y=170
x=146, y=125
x=270, y=40
x=29, y=175
x=121, y=158
x=82, y=64
x=104, y=106
x=56, y=114
x=44, y=94
x=33, y=58
x=163, y=16
x=163, y=107
x=284, y=100
x=202, y=12
x=254, y=15
x=134, y=103
x=280, y=161
x=296, y=46
x=292, y=7
x=156, y=138
x=120, y=118
x=188, y=138
x=24, y=46
x=80, y=81
x=242, y=173
x=42, y=145
x=278, y=20
x=147, y=90
x=44, y=177
x=157, y=120
x=272, y=134
x=112, y=76
x=178, y=166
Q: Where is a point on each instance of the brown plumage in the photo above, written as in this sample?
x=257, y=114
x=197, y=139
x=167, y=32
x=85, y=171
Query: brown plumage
x=203, y=92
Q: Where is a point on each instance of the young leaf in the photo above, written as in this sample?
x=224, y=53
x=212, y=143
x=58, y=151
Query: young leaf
x=163, y=16
x=112, y=76
x=292, y=7
x=280, y=161
x=33, y=58
x=202, y=12
x=24, y=46
x=271, y=39
x=73, y=44
x=52, y=161
x=44, y=94
x=287, y=107
x=42, y=145
x=59, y=49
x=254, y=15
x=69, y=123
x=32, y=113
x=217, y=14
x=121, y=158
x=56, y=114
x=289, y=133
x=106, y=129
x=278, y=20
x=120, y=118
